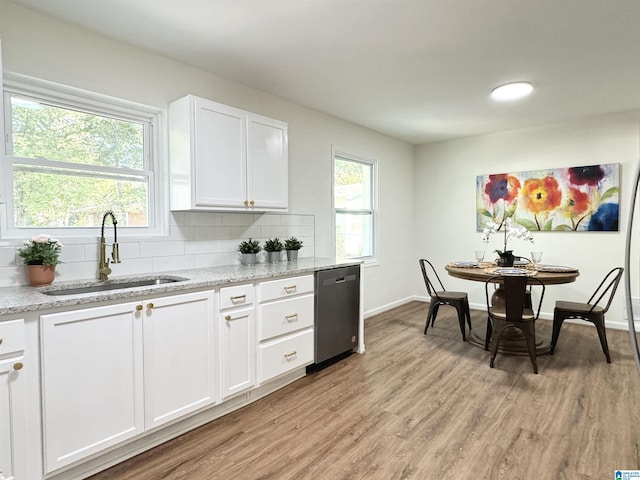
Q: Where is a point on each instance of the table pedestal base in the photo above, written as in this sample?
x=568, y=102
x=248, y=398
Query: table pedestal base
x=512, y=343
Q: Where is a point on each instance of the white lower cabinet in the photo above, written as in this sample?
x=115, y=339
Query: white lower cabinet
x=110, y=373
x=238, y=338
x=12, y=400
x=285, y=330
x=179, y=356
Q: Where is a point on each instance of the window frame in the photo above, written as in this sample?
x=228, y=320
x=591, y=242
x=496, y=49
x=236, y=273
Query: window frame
x=93, y=103
x=343, y=154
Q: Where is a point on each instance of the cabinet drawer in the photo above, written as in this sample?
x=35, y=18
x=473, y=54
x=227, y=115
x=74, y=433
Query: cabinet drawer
x=236, y=296
x=285, y=316
x=283, y=355
x=285, y=287
x=11, y=337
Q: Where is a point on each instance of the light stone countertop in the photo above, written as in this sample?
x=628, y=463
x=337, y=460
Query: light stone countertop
x=21, y=299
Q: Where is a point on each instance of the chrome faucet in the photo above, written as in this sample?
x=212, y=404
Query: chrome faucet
x=103, y=268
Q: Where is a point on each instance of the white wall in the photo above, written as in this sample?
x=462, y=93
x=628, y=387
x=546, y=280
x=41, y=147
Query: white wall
x=43, y=47
x=445, y=176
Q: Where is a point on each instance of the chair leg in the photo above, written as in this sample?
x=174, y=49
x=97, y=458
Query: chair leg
x=496, y=337
x=487, y=336
x=431, y=315
x=603, y=338
x=557, y=325
x=461, y=319
x=468, y=313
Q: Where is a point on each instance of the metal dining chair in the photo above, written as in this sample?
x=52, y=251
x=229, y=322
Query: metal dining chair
x=514, y=313
x=590, y=311
x=441, y=296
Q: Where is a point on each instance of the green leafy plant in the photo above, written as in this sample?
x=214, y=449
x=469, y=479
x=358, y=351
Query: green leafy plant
x=273, y=245
x=249, y=246
x=292, y=243
x=41, y=250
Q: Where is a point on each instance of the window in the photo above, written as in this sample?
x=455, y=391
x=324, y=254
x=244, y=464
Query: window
x=353, y=199
x=72, y=155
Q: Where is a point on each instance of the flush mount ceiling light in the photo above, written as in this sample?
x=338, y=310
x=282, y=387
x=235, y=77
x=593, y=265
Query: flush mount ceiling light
x=511, y=91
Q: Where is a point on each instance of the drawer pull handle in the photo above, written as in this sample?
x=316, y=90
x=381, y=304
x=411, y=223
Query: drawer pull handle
x=246, y=203
x=238, y=298
x=228, y=317
x=252, y=203
x=290, y=288
x=291, y=318
x=138, y=308
x=289, y=356
x=149, y=306
x=0, y=340
x=18, y=366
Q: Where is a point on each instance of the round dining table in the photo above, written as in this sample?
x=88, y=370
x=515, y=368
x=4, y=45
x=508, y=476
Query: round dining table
x=512, y=342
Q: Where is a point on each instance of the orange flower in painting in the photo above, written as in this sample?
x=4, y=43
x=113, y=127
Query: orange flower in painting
x=541, y=195
x=577, y=203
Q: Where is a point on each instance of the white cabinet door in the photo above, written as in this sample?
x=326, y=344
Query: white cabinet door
x=12, y=420
x=267, y=163
x=220, y=150
x=238, y=350
x=91, y=381
x=179, y=356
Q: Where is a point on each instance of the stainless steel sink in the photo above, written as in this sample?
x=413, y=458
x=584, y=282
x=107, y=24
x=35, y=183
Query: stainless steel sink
x=110, y=285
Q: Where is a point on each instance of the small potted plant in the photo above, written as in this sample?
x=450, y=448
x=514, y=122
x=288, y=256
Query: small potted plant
x=292, y=245
x=273, y=247
x=41, y=255
x=248, y=249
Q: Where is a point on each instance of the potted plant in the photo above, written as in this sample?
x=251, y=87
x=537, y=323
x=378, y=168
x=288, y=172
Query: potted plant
x=506, y=257
x=41, y=255
x=248, y=249
x=273, y=247
x=292, y=245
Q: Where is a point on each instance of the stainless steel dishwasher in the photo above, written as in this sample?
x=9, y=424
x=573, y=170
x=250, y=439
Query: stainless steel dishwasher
x=337, y=311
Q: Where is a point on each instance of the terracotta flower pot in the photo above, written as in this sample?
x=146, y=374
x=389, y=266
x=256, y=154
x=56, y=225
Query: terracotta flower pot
x=41, y=275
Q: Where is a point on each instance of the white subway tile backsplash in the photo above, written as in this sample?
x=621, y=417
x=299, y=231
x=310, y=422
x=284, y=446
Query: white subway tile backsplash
x=202, y=219
x=181, y=232
x=203, y=246
x=73, y=253
x=9, y=256
x=244, y=233
x=237, y=219
x=266, y=219
x=177, y=262
x=161, y=249
x=197, y=239
x=213, y=233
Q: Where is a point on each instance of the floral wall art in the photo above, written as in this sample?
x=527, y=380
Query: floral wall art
x=561, y=199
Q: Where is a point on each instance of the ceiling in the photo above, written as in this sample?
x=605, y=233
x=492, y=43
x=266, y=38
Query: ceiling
x=417, y=70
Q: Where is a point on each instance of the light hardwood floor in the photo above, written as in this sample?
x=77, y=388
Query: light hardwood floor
x=426, y=407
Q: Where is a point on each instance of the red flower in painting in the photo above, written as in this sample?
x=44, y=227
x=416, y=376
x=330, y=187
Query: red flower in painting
x=577, y=202
x=502, y=186
x=540, y=195
x=589, y=175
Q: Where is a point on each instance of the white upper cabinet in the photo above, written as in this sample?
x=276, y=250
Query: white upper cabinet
x=223, y=158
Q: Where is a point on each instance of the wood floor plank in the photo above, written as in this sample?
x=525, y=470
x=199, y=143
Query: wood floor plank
x=422, y=407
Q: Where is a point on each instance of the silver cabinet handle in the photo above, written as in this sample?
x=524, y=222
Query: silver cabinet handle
x=291, y=318
x=289, y=356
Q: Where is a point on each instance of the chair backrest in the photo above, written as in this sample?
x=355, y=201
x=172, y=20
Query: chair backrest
x=428, y=269
x=515, y=293
x=608, y=285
